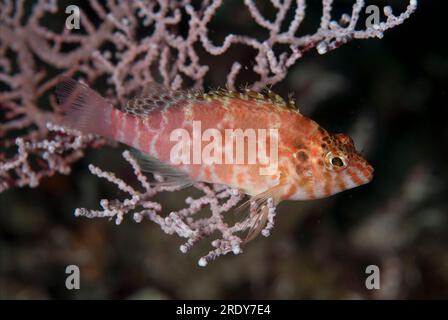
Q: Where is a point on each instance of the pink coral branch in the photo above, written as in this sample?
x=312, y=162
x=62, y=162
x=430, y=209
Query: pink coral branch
x=219, y=199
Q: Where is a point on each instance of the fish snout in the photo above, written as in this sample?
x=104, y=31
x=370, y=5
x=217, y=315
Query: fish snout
x=368, y=173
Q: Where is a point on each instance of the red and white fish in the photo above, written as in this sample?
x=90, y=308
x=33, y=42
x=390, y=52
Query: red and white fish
x=311, y=162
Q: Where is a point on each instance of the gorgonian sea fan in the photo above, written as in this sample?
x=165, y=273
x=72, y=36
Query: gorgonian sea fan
x=131, y=44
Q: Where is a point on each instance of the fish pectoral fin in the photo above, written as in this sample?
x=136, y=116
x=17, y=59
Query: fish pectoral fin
x=257, y=215
x=174, y=177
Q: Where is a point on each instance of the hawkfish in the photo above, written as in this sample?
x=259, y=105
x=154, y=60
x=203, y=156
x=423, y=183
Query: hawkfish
x=254, y=142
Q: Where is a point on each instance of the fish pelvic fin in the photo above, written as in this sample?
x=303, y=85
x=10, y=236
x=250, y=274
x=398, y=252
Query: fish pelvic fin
x=258, y=210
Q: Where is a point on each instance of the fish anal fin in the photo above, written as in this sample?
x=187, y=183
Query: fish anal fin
x=172, y=177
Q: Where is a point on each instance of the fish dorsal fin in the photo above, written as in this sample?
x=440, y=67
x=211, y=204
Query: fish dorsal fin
x=265, y=95
x=173, y=177
x=154, y=97
x=279, y=102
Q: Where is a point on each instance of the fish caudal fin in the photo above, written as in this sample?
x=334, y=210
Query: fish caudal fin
x=85, y=110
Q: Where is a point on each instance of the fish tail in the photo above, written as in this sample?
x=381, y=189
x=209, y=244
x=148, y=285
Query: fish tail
x=84, y=109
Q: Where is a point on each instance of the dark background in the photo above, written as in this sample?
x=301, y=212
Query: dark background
x=389, y=94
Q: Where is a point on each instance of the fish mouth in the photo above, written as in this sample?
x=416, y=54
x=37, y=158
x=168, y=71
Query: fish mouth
x=368, y=173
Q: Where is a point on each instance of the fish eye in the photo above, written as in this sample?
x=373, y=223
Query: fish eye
x=335, y=162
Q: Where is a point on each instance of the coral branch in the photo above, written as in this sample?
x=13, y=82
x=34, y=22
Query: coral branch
x=116, y=50
x=219, y=199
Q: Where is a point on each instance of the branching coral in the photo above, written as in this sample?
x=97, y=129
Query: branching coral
x=37, y=159
x=219, y=199
x=131, y=44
